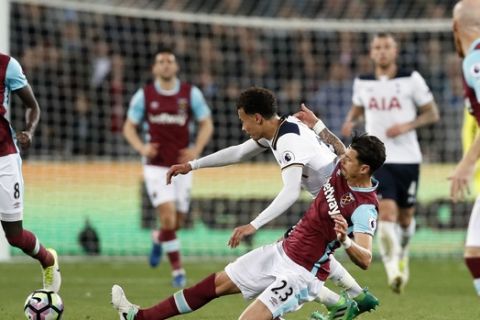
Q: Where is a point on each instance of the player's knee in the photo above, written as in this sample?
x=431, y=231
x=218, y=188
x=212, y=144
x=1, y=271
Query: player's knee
x=472, y=252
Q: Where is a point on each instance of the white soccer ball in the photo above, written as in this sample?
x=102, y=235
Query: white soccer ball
x=43, y=305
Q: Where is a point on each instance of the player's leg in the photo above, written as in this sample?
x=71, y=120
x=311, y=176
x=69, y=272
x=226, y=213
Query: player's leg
x=388, y=240
x=183, y=301
x=407, y=179
x=472, y=245
x=341, y=277
x=11, y=216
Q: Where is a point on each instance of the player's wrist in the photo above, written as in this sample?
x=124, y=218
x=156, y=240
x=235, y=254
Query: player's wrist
x=193, y=164
x=319, y=126
x=347, y=243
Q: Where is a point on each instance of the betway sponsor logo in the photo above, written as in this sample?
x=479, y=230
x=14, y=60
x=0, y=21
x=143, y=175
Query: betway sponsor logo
x=167, y=118
x=329, y=192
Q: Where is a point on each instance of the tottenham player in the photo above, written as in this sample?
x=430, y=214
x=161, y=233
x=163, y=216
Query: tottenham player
x=167, y=107
x=13, y=80
x=283, y=275
x=466, y=31
x=304, y=162
x=390, y=100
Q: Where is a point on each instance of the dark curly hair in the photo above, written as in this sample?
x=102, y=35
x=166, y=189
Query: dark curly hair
x=258, y=100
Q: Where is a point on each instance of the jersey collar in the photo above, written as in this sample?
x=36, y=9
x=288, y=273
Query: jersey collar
x=275, y=136
x=474, y=45
x=164, y=92
x=368, y=189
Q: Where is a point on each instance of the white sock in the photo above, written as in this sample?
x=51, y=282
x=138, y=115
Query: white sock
x=406, y=235
x=327, y=297
x=342, y=278
x=476, y=284
x=389, y=247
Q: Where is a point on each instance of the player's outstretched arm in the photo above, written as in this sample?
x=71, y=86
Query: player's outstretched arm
x=360, y=250
x=32, y=115
x=308, y=117
x=292, y=180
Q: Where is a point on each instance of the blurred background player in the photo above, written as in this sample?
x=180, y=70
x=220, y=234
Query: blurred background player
x=389, y=100
x=13, y=80
x=168, y=107
x=282, y=276
x=304, y=162
x=466, y=31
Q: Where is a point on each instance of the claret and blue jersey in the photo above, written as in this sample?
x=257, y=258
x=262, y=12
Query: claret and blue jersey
x=11, y=78
x=471, y=77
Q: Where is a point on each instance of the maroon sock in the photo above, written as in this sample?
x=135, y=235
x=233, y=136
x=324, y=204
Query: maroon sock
x=188, y=300
x=473, y=265
x=28, y=243
x=171, y=245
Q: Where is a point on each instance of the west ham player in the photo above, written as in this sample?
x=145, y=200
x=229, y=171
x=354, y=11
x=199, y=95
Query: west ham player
x=304, y=162
x=283, y=275
x=13, y=80
x=466, y=31
x=394, y=103
x=167, y=109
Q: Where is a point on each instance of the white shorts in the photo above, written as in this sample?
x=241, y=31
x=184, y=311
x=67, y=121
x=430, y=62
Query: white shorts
x=473, y=231
x=269, y=274
x=159, y=192
x=11, y=188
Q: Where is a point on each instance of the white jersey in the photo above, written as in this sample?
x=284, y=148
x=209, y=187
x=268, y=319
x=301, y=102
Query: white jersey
x=295, y=144
x=392, y=101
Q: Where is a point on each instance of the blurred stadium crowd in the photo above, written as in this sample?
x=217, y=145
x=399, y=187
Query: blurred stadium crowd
x=84, y=67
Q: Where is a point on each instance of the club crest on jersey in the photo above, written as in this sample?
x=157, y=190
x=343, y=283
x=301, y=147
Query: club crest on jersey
x=182, y=104
x=154, y=105
x=475, y=70
x=346, y=199
x=287, y=157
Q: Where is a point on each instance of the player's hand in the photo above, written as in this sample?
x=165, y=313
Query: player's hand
x=24, y=138
x=347, y=128
x=239, y=233
x=187, y=154
x=460, y=179
x=398, y=129
x=341, y=227
x=306, y=116
x=149, y=150
x=177, y=169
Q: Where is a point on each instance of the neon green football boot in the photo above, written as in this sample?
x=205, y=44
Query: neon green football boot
x=366, y=301
x=344, y=309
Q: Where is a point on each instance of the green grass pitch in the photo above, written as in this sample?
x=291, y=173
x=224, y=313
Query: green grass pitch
x=439, y=289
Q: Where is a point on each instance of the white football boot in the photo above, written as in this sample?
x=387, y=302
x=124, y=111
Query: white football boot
x=125, y=308
x=52, y=279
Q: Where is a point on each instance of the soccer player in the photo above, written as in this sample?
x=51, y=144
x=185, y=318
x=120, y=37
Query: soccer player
x=168, y=107
x=13, y=80
x=283, y=275
x=304, y=162
x=390, y=100
x=466, y=31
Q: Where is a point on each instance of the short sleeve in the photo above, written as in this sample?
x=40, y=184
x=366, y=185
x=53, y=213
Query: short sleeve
x=356, y=98
x=200, y=107
x=15, y=78
x=136, y=109
x=364, y=219
x=292, y=150
x=471, y=71
x=421, y=92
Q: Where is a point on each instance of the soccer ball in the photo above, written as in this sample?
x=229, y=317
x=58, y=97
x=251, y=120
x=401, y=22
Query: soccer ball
x=43, y=305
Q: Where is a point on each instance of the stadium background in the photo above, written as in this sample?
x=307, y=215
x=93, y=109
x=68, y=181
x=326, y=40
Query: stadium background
x=85, y=59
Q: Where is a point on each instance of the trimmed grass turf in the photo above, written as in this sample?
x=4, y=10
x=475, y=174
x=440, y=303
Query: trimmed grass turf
x=439, y=289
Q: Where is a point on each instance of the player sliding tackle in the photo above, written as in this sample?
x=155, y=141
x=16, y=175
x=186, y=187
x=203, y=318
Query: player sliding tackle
x=282, y=276
x=304, y=162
